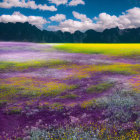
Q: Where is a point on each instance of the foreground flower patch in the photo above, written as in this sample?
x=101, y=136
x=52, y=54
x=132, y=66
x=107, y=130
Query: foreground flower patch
x=78, y=94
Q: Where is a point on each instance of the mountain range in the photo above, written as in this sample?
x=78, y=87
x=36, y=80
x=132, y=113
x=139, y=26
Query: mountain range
x=25, y=32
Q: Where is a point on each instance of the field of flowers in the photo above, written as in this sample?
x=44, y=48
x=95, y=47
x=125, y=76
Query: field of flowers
x=69, y=91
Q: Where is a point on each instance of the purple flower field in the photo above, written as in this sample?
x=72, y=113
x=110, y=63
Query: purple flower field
x=48, y=94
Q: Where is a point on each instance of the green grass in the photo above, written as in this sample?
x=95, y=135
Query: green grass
x=51, y=89
x=100, y=87
x=14, y=110
x=125, y=69
x=57, y=106
x=88, y=104
x=83, y=71
x=107, y=49
x=20, y=66
x=8, y=91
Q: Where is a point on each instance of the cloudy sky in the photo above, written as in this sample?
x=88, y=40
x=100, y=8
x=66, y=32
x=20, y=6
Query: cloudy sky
x=72, y=15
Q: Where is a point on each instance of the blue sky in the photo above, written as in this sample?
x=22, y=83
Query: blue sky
x=72, y=15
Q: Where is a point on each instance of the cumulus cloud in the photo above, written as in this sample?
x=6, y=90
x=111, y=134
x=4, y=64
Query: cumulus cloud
x=23, y=4
x=81, y=17
x=76, y=2
x=64, y=2
x=128, y=19
x=18, y=17
x=58, y=2
x=71, y=26
x=58, y=17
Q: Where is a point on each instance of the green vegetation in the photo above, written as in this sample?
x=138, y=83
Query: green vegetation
x=8, y=91
x=56, y=106
x=48, y=89
x=100, y=87
x=84, y=71
x=88, y=104
x=14, y=111
x=20, y=66
x=125, y=69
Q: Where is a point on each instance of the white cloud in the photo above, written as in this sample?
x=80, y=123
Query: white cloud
x=129, y=19
x=18, y=17
x=81, y=17
x=71, y=26
x=58, y=17
x=64, y=2
x=105, y=21
x=23, y=4
x=76, y=2
x=58, y=2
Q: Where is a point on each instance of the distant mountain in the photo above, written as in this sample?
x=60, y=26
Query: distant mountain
x=26, y=32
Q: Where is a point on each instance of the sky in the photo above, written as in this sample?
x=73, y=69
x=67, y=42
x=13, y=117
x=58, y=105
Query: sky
x=72, y=15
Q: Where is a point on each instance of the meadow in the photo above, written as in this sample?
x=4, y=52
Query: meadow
x=69, y=91
x=106, y=49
